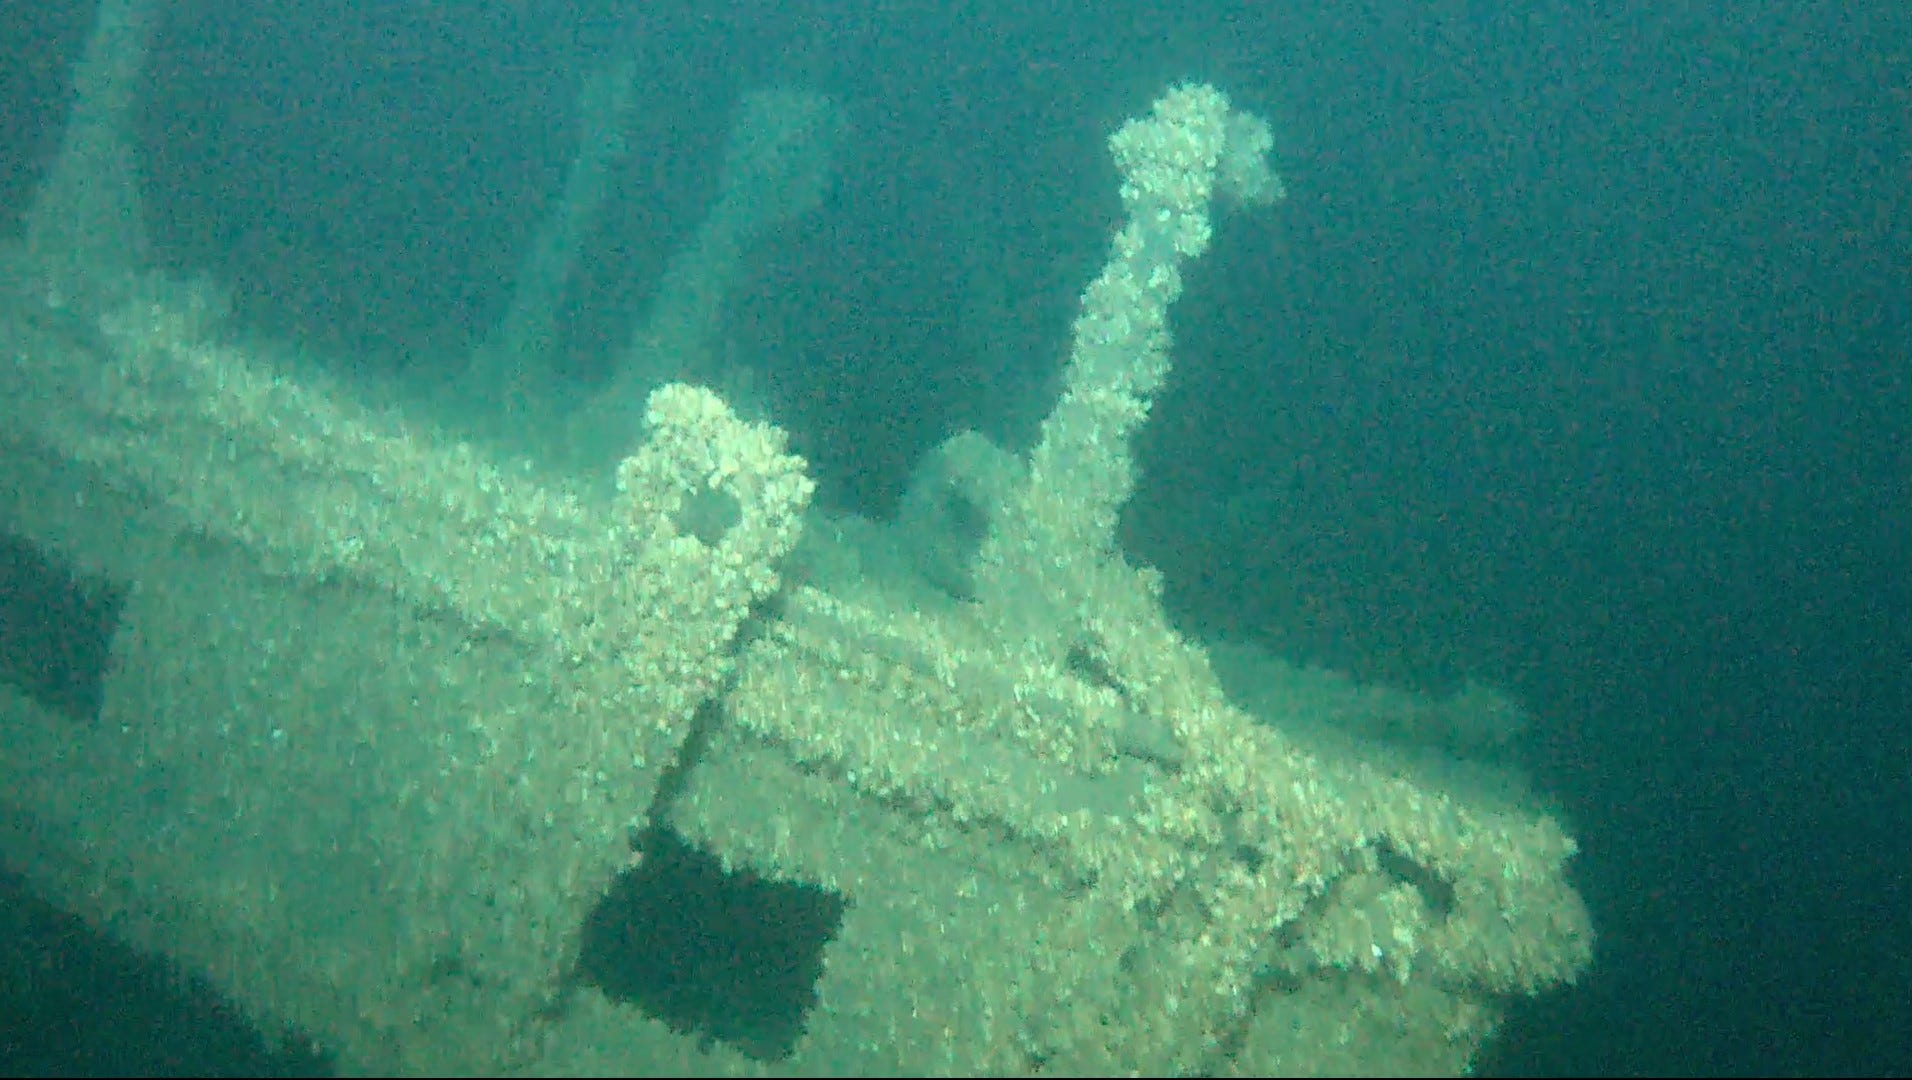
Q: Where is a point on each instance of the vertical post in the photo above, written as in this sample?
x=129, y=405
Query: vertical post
x=84, y=229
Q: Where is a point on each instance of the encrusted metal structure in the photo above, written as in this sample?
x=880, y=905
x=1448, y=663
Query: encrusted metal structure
x=398, y=746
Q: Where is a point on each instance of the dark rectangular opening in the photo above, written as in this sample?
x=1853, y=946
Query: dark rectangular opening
x=728, y=956
x=56, y=630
